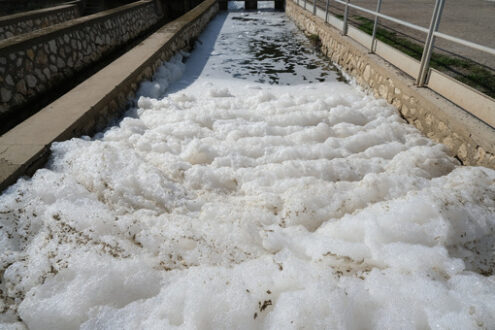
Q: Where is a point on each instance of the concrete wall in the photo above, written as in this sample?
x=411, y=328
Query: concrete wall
x=33, y=63
x=469, y=139
x=91, y=105
x=16, y=24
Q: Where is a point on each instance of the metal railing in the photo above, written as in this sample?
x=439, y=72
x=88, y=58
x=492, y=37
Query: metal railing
x=432, y=32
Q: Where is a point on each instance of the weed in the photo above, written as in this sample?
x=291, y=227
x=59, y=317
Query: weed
x=464, y=70
x=315, y=39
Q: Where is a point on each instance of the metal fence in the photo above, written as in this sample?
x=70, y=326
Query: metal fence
x=432, y=32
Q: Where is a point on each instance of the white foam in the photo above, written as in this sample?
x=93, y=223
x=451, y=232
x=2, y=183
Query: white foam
x=229, y=204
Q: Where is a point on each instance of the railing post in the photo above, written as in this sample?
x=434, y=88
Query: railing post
x=427, y=51
x=346, y=15
x=373, y=35
x=326, y=11
x=305, y=4
x=314, y=7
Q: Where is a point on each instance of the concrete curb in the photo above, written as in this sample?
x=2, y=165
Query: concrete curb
x=92, y=104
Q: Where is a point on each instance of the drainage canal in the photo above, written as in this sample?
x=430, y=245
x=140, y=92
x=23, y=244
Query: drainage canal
x=249, y=187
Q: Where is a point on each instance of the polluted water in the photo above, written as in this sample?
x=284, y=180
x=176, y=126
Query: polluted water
x=250, y=185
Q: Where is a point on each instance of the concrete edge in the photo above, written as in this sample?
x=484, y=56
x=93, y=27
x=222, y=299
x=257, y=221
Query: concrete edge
x=466, y=137
x=91, y=105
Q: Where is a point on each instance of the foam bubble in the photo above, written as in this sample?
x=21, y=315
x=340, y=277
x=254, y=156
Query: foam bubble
x=274, y=207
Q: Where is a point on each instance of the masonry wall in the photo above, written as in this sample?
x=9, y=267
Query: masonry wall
x=33, y=63
x=91, y=105
x=17, y=24
x=179, y=35
x=466, y=137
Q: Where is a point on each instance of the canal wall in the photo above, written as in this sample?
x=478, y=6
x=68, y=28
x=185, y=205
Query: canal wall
x=34, y=63
x=91, y=105
x=21, y=23
x=467, y=138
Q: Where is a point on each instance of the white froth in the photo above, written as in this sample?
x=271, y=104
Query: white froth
x=232, y=204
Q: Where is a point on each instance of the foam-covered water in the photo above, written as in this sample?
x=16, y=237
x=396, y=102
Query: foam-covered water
x=233, y=204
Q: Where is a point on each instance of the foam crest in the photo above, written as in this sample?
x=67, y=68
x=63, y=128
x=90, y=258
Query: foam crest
x=232, y=204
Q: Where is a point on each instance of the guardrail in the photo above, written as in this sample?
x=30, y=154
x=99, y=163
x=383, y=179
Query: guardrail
x=475, y=102
x=430, y=39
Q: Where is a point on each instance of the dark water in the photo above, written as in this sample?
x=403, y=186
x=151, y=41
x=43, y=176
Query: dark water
x=264, y=46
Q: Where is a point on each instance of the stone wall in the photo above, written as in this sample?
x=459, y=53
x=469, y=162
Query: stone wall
x=467, y=138
x=91, y=105
x=192, y=23
x=32, y=64
x=17, y=24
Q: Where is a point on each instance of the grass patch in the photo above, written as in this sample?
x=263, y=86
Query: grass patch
x=315, y=39
x=464, y=70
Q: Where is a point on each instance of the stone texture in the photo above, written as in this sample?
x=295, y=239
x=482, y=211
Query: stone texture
x=5, y=94
x=17, y=25
x=37, y=62
x=30, y=54
x=9, y=80
x=99, y=99
x=53, y=46
x=31, y=80
x=21, y=87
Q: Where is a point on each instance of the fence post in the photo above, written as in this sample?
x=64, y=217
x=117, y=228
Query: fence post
x=314, y=7
x=428, y=48
x=346, y=15
x=326, y=12
x=373, y=36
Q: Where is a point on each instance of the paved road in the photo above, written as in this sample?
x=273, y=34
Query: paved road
x=472, y=20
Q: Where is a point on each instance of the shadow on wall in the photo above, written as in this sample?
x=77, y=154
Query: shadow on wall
x=9, y=7
x=85, y=60
x=201, y=55
x=173, y=8
x=94, y=6
x=176, y=8
x=56, y=60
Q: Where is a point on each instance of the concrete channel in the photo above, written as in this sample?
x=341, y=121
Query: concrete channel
x=231, y=171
